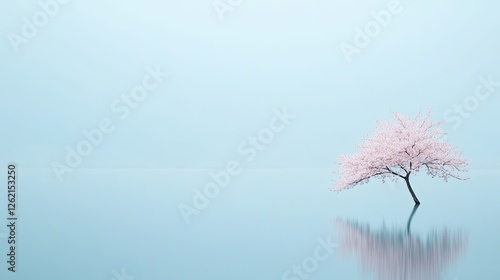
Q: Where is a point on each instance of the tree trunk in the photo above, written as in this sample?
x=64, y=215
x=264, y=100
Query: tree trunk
x=407, y=179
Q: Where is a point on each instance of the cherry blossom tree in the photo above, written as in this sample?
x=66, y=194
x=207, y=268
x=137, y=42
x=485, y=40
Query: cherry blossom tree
x=398, y=148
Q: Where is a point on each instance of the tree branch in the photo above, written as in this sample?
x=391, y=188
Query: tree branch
x=390, y=171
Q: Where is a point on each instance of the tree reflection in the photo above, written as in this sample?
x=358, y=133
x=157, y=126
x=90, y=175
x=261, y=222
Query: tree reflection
x=397, y=253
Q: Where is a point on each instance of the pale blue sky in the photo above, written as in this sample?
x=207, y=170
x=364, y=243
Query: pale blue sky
x=227, y=77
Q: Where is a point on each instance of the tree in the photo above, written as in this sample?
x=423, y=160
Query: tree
x=398, y=148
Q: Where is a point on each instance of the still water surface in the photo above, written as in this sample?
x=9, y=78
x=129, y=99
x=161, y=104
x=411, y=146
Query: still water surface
x=266, y=224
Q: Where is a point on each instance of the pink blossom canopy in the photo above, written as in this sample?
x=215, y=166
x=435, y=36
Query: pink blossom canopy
x=398, y=148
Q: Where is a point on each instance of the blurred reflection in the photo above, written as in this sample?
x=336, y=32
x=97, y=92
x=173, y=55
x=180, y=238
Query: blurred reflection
x=397, y=253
